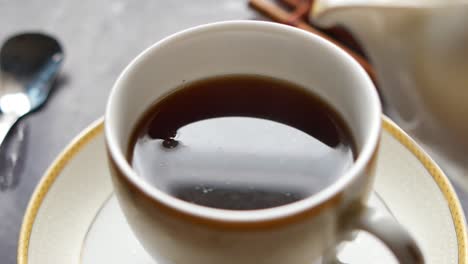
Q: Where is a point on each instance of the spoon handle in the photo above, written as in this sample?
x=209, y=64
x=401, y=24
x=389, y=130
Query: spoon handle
x=7, y=121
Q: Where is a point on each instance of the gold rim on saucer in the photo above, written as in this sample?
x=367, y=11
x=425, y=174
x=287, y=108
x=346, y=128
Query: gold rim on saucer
x=94, y=130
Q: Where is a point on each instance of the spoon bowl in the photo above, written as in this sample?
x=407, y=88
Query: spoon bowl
x=29, y=63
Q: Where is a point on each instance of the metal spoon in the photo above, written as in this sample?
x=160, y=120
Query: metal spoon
x=29, y=63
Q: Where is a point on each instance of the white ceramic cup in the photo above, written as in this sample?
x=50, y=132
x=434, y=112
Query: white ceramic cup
x=178, y=232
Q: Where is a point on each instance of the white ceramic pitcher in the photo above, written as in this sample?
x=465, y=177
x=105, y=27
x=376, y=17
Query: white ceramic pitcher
x=420, y=52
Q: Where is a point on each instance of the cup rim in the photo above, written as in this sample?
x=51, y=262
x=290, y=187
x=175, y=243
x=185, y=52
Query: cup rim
x=247, y=216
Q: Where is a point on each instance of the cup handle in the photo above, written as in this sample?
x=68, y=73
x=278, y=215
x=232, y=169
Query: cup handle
x=392, y=234
x=387, y=230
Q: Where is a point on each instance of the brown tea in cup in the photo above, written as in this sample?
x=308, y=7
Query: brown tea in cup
x=241, y=142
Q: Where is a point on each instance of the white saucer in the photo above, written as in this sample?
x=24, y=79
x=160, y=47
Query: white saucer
x=73, y=216
x=109, y=233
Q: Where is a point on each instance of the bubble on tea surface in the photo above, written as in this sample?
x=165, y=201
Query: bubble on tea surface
x=170, y=143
